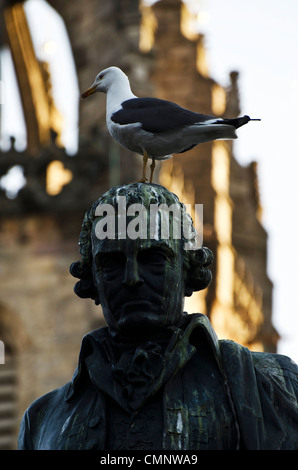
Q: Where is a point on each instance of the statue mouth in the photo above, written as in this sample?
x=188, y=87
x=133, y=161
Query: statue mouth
x=138, y=305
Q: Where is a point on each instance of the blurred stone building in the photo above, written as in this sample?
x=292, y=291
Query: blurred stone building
x=41, y=320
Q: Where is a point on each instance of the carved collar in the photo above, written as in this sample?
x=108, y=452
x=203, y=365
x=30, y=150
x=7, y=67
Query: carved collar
x=134, y=375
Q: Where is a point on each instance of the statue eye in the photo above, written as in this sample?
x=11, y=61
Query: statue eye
x=152, y=257
x=112, y=261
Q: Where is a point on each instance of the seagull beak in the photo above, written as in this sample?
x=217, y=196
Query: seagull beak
x=89, y=92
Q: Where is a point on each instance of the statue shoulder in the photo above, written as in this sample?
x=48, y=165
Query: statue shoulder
x=48, y=400
x=37, y=414
x=264, y=362
x=277, y=364
x=264, y=391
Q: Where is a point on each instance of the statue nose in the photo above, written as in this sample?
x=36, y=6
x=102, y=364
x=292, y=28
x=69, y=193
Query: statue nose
x=131, y=276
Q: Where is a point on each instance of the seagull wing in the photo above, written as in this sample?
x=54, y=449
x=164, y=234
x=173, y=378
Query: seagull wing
x=157, y=115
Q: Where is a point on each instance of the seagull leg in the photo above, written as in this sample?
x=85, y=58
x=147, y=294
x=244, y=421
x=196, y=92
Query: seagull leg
x=145, y=159
x=152, y=166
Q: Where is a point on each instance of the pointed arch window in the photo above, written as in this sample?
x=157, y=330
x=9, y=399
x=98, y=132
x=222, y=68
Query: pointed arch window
x=38, y=78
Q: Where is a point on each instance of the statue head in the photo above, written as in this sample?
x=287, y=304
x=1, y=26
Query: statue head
x=139, y=258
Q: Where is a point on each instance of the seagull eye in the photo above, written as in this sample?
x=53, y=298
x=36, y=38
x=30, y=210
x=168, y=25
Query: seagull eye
x=101, y=76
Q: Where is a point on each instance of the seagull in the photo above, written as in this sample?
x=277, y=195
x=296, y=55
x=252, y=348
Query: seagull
x=153, y=127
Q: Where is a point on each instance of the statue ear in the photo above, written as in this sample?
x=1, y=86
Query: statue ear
x=188, y=291
x=85, y=288
x=198, y=276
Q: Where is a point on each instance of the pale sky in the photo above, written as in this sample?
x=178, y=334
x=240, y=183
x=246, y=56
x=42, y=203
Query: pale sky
x=259, y=39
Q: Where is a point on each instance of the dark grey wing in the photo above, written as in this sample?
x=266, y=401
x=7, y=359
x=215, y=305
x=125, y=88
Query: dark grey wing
x=157, y=115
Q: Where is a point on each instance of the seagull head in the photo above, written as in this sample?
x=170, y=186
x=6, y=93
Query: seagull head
x=104, y=80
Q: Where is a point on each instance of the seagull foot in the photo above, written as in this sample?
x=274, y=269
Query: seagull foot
x=152, y=167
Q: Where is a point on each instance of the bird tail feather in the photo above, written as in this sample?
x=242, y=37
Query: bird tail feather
x=238, y=122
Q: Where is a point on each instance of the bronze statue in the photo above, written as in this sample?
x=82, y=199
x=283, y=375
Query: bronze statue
x=157, y=378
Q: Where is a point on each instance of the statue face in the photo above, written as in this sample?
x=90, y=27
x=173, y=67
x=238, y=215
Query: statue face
x=139, y=282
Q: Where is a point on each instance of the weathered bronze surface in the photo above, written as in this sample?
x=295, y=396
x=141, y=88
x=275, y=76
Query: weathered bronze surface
x=157, y=378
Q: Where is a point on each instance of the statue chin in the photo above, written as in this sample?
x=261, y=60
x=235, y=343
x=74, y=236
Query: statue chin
x=139, y=319
x=138, y=323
